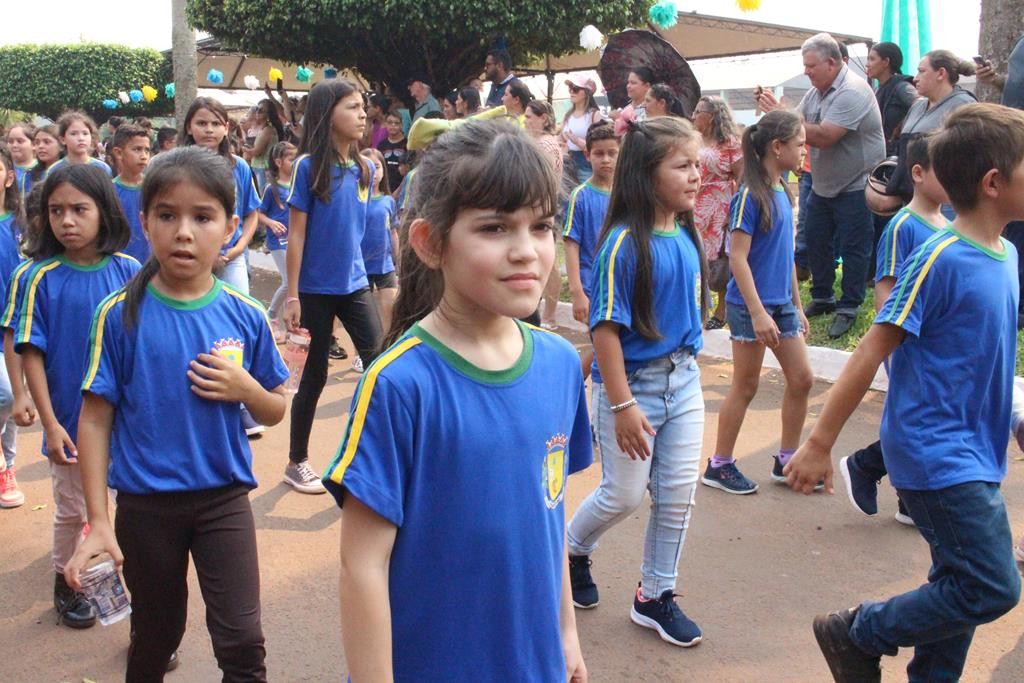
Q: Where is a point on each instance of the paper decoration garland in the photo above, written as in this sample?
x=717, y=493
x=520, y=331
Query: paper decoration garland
x=663, y=14
x=275, y=75
x=748, y=5
x=251, y=82
x=590, y=37
x=302, y=74
x=149, y=93
x=330, y=72
x=214, y=76
x=135, y=95
x=110, y=104
x=169, y=91
x=124, y=97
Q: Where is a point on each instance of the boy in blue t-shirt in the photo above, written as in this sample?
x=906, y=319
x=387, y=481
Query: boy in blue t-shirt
x=584, y=218
x=130, y=150
x=911, y=227
x=947, y=418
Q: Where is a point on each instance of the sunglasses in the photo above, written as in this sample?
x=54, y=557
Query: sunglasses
x=575, y=88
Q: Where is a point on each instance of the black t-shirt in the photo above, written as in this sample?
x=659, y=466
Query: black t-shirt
x=393, y=153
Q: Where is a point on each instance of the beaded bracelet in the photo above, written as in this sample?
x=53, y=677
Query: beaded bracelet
x=622, y=406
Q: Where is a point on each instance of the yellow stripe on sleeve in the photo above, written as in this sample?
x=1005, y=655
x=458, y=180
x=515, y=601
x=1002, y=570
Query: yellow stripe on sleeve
x=892, y=259
x=30, y=301
x=572, y=210
x=97, y=347
x=359, y=414
x=920, y=278
x=291, y=186
x=12, y=298
x=611, y=274
x=259, y=307
x=739, y=212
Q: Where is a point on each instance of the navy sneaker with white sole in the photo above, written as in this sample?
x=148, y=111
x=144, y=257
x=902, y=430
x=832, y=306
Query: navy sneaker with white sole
x=584, y=590
x=779, y=478
x=861, y=488
x=664, y=616
x=728, y=478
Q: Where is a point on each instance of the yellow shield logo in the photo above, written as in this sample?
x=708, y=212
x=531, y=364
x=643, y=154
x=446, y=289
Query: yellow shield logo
x=554, y=476
x=232, y=349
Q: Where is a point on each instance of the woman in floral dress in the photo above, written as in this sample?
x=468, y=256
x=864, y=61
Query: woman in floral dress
x=721, y=163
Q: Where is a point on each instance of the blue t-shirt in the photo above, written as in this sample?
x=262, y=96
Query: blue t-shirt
x=332, y=262
x=904, y=233
x=246, y=198
x=947, y=412
x=275, y=208
x=56, y=312
x=376, y=244
x=14, y=289
x=131, y=202
x=675, y=277
x=442, y=450
x=584, y=218
x=10, y=246
x=771, y=253
x=23, y=177
x=141, y=371
x=93, y=161
x=405, y=190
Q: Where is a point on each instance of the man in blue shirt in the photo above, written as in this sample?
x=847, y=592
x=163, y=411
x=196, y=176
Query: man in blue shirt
x=498, y=70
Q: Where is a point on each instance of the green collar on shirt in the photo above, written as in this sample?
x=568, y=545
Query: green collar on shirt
x=667, y=233
x=985, y=250
x=473, y=372
x=78, y=266
x=190, y=305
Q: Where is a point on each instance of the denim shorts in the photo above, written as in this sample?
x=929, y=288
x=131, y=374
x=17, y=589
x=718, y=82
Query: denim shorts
x=741, y=326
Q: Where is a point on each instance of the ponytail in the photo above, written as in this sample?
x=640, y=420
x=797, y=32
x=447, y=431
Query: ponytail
x=954, y=66
x=135, y=289
x=782, y=125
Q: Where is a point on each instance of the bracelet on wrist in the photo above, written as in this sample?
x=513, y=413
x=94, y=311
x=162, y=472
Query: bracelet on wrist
x=291, y=299
x=623, y=406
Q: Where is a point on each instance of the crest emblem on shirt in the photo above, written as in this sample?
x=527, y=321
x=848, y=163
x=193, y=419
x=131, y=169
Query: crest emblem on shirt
x=554, y=470
x=363, y=192
x=233, y=349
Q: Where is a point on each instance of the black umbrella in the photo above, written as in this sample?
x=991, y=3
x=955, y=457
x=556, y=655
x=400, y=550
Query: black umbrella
x=634, y=48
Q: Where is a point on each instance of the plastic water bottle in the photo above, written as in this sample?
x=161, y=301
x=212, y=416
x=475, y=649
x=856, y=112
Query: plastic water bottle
x=296, y=350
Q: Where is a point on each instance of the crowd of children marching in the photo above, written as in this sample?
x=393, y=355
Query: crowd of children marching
x=103, y=275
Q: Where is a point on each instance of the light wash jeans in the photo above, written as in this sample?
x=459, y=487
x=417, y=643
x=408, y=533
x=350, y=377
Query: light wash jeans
x=277, y=301
x=9, y=433
x=236, y=273
x=669, y=394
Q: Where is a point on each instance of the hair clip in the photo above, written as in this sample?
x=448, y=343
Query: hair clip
x=634, y=126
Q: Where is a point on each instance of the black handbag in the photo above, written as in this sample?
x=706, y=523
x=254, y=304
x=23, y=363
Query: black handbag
x=719, y=272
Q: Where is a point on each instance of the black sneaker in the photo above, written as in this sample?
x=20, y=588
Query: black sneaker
x=902, y=516
x=729, y=479
x=336, y=352
x=819, y=308
x=860, y=486
x=841, y=325
x=779, y=478
x=664, y=616
x=584, y=592
x=73, y=609
x=847, y=662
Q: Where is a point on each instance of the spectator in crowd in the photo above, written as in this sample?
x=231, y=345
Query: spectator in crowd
x=419, y=88
x=468, y=101
x=515, y=99
x=577, y=121
x=448, y=107
x=166, y=139
x=638, y=83
x=844, y=130
x=498, y=70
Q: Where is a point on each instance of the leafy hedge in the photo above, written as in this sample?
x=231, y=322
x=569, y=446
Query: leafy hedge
x=47, y=79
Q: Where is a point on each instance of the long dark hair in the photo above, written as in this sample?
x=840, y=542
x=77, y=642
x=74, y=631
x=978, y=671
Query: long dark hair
x=471, y=96
x=892, y=53
x=190, y=164
x=782, y=125
x=633, y=202
x=378, y=159
x=270, y=109
x=318, y=139
x=217, y=109
x=479, y=164
x=12, y=197
x=92, y=181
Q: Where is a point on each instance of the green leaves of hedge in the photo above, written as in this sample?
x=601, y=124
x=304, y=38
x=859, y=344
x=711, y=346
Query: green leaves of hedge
x=47, y=79
x=390, y=40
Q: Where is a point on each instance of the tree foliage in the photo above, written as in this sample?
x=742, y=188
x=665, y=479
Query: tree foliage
x=393, y=40
x=47, y=79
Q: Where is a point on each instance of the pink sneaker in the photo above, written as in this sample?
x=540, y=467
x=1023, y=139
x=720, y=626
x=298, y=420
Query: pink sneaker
x=10, y=495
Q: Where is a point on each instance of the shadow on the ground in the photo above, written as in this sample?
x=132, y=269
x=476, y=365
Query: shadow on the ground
x=13, y=584
x=263, y=507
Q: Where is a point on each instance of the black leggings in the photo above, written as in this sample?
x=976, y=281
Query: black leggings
x=157, y=532
x=358, y=314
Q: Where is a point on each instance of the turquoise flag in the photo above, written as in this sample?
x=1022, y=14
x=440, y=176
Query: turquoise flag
x=908, y=24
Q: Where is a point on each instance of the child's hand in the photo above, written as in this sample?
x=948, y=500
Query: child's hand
x=276, y=227
x=805, y=327
x=217, y=378
x=575, y=669
x=57, y=439
x=581, y=308
x=101, y=539
x=631, y=425
x=765, y=329
x=809, y=465
x=292, y=315
x=24, y=411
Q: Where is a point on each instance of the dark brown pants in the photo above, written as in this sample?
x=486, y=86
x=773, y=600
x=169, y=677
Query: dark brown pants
x=157, y=533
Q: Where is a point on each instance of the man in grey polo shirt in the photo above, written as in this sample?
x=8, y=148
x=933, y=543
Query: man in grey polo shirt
x=844, y=130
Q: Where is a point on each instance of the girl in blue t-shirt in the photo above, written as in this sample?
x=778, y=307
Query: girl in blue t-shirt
x=274, y=215
x=444, y=479
x=176, y=337
x=762, y=301
x=10, y=256
x=78, y=135
x=380, y=242
x=76, y=263
x=645, y=319
x=326, y=275
x=20, y=138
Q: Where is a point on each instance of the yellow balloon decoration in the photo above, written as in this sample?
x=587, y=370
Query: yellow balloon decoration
x=748, y=5
x=275, y=75
x=149, y=93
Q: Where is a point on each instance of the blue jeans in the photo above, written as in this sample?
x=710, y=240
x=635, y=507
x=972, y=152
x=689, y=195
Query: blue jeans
x=800, y=251
x=669, y=394
x=847, y=218
x=583, y=168
x=8, y=428
x=973, y=580
x=236, y=274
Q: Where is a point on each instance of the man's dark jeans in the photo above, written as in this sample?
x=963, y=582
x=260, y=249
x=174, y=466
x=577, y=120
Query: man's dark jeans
x=844, y=218
x=800, y=251
x=973, y=580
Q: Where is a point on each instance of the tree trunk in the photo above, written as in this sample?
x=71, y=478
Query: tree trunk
x=183, y=42
x=1002, y=25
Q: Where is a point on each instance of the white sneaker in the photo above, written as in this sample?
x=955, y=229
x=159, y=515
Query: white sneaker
x=357, y=364
x=302, y=478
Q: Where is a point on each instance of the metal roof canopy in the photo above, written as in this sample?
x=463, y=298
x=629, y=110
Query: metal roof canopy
x=701, y=36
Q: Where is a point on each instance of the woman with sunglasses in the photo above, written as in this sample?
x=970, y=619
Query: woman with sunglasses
x=578, y=120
